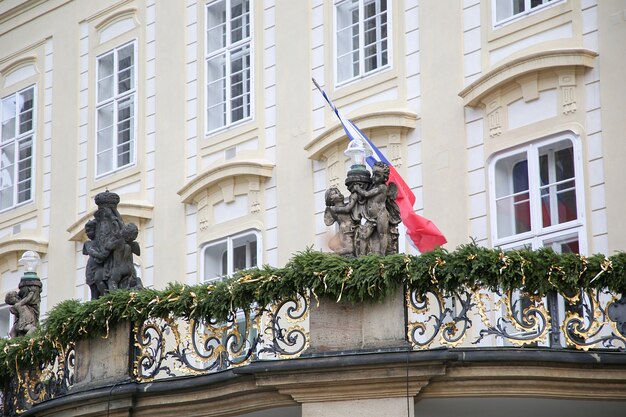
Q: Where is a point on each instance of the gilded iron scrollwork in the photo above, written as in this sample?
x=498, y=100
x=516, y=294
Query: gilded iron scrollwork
x=284, y=333
x=176, y=346
x=580, y=319
x=34, y=385
x=593, y=326
x=448, y=317
x=524, y=321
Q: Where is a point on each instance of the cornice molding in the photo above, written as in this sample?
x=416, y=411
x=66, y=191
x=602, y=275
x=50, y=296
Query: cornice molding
x=231, y=169
x=474, y=93
x=403, y=120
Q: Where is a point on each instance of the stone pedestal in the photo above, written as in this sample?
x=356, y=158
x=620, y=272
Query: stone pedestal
x=101, y=362
x=343, y=326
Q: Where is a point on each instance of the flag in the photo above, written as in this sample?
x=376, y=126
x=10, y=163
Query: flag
x=422, y=232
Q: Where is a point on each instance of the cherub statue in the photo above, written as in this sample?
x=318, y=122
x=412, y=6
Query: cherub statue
x=26, y=316
x=381, y=212
x=337, y=210
x=94, y=271
x=110, y=248
x=123, y=246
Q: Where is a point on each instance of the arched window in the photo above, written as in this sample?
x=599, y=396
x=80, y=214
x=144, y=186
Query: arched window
x=537, y=196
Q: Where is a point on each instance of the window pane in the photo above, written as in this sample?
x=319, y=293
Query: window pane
x=8, y=118
x=508, y=8
x=567, y=244
x=564, y=163
x=240, y=84
x=558, y=184
x=104, y=162
x=216, y=92
x=105, y=77
x=26, y=110
x=105, y=128
x=7, y=160
x=125, y=132
x=126, y=63
x=239, y=258
x=244, y=252
x=240, y=24
x=347, y=40
x=512, y=196
x=216, y=24
x=215, y=261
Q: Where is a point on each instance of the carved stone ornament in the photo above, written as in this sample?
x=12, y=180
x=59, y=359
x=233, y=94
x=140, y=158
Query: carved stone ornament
x=25, y=303
x=368, y=220
x=110, y=248
x=25, y=307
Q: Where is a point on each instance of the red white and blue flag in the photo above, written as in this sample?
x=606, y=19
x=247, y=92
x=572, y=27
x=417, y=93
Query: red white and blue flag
x=422, y=232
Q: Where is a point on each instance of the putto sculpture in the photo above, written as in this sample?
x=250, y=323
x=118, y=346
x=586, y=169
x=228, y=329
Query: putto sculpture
x=368, y=220
x=25, y=303
x=110, y=248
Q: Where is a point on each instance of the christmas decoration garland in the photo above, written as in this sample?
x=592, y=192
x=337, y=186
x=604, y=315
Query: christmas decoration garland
x=369, y=278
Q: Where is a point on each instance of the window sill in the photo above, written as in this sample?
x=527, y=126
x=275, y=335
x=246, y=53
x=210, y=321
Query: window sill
x=17, y=214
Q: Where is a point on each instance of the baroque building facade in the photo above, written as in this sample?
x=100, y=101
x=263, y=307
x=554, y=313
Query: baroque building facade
x=505, y=117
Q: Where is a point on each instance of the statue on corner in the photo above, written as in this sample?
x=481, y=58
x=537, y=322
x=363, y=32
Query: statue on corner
x=110, y=248
x=368, y=220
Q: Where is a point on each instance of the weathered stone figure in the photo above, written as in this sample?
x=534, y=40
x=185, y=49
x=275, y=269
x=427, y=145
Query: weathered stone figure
x=110, y=248
x=25, y=310
x=371, y=226
x=339, y=211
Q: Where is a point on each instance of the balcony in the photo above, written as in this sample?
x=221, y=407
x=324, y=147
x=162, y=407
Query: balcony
x=438, y=325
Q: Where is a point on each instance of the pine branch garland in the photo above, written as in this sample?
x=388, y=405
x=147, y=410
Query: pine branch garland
x=370, y=278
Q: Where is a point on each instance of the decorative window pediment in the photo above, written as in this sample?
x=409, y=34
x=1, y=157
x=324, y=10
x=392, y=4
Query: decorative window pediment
x=131, y=210
x=12, y=248
x=224, y=173
x=474, y=94
x=393, y=121
x=19, y=70
x=228, y=191
x=117, y=24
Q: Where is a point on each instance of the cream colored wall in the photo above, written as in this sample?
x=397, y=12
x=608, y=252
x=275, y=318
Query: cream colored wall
x=291, y=150
x=442, y=127
x=54, y=181
x=293, y=174
x=612, y=96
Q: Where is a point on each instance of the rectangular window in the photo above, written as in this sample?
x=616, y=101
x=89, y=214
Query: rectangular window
x=115, y=109
x=537, y=197
x=508, y=9
x=227, y=256
x=362, y=43
x=228, y=63
x=16, y=148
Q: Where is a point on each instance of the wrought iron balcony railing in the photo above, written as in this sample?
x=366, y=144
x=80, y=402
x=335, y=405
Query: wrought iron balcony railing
x=172, y=340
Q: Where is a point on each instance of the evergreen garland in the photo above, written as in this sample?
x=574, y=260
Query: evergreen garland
x=369, y=278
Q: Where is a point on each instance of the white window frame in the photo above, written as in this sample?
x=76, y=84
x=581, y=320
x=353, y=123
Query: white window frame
x=527, y=11
x=226, y=51
x=361, y=48
x=230, y=250
x=115, y=101
x=538, y=235
x=15, y=142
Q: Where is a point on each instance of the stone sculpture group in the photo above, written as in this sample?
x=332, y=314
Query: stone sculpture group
x=368, y=220
x=110, y=247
